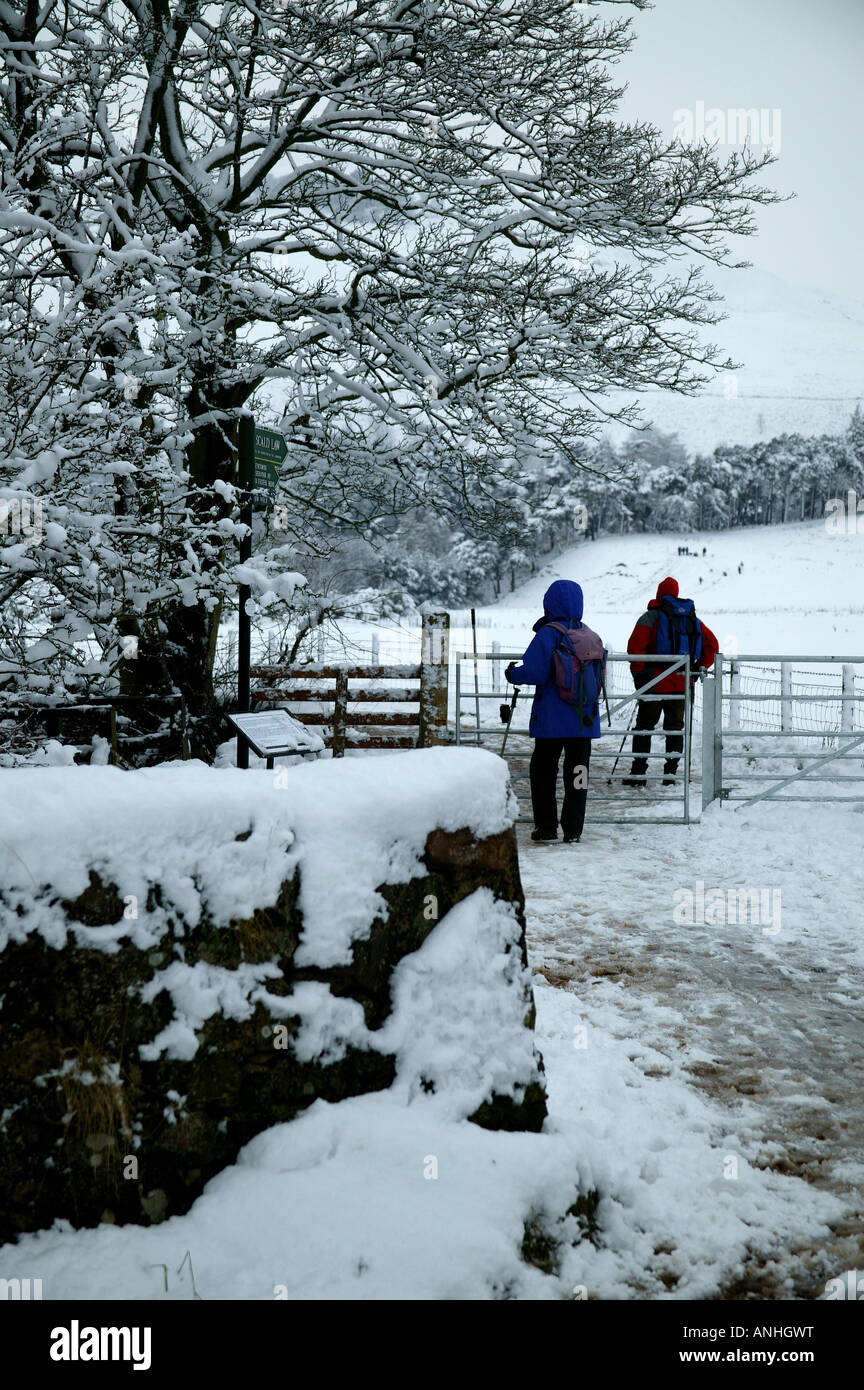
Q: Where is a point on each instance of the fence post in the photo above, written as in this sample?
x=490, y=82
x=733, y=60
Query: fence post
x=688, y=731
x=496, y=666
x=709, y=790
x=434, y=667
x=718, y=726
x=847, y=709
x=734, y=691
x=115, y=753
x=340, y=714
x=376, y=650
x=785, y=698
x=185, y=752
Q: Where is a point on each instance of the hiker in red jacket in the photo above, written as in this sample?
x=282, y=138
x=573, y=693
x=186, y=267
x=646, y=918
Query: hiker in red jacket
x=668, y=625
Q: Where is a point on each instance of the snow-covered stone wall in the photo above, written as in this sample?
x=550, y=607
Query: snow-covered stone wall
x=191, y=955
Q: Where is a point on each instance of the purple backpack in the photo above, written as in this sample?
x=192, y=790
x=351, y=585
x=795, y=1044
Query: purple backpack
x=579, y=663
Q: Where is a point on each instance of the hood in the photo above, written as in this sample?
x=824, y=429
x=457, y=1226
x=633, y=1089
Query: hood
x=564, y=600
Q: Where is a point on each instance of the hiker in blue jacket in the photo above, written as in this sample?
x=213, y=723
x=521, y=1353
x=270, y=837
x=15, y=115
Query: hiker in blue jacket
x=557, y=724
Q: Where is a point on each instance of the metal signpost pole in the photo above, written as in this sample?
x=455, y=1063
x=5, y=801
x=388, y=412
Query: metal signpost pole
x=246, y=457
x=476, y=679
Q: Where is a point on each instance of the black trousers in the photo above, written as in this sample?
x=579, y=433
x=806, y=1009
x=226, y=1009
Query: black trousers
x=647, y=715
x=544, y=783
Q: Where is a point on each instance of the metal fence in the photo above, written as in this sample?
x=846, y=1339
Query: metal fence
x=480, y=688
x=775, y=723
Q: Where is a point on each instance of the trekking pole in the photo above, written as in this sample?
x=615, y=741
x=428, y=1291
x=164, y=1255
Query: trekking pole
x=476, y=678
x=621, y=749
x=506, y=712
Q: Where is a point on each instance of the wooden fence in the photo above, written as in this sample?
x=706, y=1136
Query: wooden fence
x=131, y=724
x=348, y=722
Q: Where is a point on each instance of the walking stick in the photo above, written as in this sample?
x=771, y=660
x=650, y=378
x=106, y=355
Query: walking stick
x=621, y=749
x=506, y=713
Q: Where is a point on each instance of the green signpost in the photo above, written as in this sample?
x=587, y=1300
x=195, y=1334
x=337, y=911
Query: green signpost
x=260, y=453
x=269, y=451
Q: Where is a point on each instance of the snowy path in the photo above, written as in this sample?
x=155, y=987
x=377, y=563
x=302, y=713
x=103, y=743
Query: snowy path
x=767, y=1028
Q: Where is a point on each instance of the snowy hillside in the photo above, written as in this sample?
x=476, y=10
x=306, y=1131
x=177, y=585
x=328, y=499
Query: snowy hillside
x=800, y=592
x=801, y=355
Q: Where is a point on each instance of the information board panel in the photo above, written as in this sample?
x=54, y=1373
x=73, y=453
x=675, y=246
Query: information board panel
x=276, y=731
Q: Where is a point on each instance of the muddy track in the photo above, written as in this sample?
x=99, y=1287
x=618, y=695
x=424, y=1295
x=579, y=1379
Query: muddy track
x=785, y=1039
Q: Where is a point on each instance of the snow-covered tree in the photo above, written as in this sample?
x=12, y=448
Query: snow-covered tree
x=411, y=231
x=855, y=434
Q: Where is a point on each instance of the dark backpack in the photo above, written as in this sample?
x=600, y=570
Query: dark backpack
x=678, y=629
x=579, y=663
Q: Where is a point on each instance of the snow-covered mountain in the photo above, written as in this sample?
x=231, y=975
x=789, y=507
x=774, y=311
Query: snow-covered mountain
x=802, y=352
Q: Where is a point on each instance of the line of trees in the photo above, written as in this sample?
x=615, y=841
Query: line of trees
x=648, y=484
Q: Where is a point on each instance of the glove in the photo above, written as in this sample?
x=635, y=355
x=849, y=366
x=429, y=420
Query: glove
x=507, y=675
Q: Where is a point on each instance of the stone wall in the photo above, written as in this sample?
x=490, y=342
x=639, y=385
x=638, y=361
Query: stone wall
x=99, y=1125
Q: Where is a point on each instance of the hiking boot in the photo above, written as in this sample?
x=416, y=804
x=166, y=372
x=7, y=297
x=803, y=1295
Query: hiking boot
x=572, y=839
x=544, y=835
x=633, y=782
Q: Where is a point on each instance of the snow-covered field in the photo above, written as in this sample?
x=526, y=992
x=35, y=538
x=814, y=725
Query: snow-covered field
x=800, y=591
x=798, y=594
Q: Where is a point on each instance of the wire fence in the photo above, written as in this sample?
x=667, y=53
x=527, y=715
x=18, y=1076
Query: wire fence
x=784, y=729
x=793, y=698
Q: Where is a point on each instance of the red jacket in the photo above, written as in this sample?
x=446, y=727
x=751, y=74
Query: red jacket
x=642, y=639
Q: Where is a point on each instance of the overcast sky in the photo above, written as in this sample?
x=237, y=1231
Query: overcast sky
x=801, y=56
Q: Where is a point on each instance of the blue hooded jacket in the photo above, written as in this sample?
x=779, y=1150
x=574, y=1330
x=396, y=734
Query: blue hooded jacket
x=550, y=716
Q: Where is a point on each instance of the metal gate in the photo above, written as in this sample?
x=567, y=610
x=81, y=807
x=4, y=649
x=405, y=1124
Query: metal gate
x=771, y=723
x=479, y=681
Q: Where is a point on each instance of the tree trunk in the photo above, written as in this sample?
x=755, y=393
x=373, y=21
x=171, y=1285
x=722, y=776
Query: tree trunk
x=177, y=648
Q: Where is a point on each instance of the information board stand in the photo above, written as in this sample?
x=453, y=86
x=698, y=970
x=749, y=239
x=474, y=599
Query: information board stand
x=273, y=734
